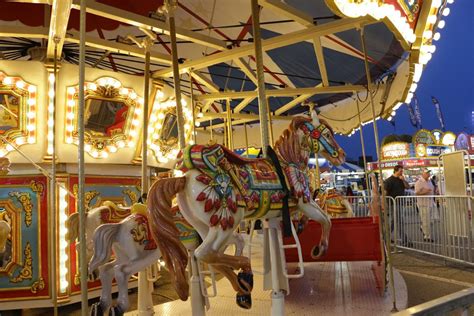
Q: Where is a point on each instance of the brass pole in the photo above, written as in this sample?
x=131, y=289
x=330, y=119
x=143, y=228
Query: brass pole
x=376, y=135
x=230, y=136
x=146, y=100
x=246, y=139
x=81, y=171
x=192, y=106
x=362, y=143
x=262, y=100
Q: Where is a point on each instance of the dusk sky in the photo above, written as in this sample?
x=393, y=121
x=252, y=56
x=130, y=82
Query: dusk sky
x=448, y=77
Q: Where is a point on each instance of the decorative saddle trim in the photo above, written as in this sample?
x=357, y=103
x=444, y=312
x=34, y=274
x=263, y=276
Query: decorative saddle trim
x=112, y=213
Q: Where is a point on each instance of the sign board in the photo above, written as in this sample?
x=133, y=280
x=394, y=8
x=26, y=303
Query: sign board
x=422, y=150
x=395, y=150
x=407, y=163
x=448, y=139
x=424, y=136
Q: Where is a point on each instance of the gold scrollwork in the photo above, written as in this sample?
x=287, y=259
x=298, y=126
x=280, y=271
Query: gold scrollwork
x=77, y=279
x=26, y=272
x=139, y=234
x=131, y=195
x=89, y=196
x=37, y=186
x=37, y=286
x=25, y=199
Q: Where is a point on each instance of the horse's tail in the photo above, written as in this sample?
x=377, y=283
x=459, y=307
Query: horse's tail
x=72, y=224
x=104, y=237
x=165, y=232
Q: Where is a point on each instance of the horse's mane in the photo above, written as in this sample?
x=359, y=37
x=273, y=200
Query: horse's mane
x=288, y=145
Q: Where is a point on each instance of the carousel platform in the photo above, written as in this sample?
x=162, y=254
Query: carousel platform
x=331, y=288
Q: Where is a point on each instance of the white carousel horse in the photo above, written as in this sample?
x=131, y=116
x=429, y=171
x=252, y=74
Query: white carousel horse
x=107, y=213
x=219, y=189
x=135, y=249
x=5, y=230
x=333, y=203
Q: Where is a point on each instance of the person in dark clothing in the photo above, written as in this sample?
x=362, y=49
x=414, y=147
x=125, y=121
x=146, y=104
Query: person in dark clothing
x=395, y=186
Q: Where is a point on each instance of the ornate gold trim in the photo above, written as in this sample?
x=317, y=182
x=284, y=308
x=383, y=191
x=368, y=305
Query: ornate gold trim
x=25, y=200
x=26, y=272
x=88, y=195
x=37, y=286
x=37, y=187
x=131, y=195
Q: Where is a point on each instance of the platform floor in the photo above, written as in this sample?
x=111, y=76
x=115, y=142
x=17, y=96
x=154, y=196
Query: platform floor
x=327, y=288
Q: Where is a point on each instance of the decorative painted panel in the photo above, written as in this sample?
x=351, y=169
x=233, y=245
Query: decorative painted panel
x=24, y=263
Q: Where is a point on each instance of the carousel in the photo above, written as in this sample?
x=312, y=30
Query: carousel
x=121, y=124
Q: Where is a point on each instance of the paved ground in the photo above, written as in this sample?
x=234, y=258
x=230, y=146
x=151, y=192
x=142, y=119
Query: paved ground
x=426, y=279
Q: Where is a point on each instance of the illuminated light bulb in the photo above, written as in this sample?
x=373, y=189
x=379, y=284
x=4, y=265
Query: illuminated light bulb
x=153, y=118
x=148, y=142
x=441, y=24
x=393, y=113
x=160, y=94
x=156, y=136
x=31, y=102
x=32, y=89
x=51, y=108
x=92, y=86
x=102, y=81
x=112, y=149
x=121, y=144
x=50, y=136
x=428, y=34
x=51, y=94
x=31, y=115
x=432, y=19
x=31, y=140
x=150, y=129
x=69, y=140
x=161, y=116
x=135, y=122
x=200, y=114
x=69, y=128
x=432, y=49
x=158, y=126
x=138, y=111
x=70, y=115
x=71, y=90
x=7, y=81
x=133, y=95
x=50, y=122
x=116, y=84
x=197, y=124
x=20, y=141
x=183, y=102
x=87, y=147
x=30, y=127
x=9, y=147
x=446, y=11
x=413, y=87
x=409, y=97
x=187, y=126
x=191, y=142
x=437, y=36
x=104, y=154
x=140, y=100
x=133, y=133
x=49, y=150
x=450, y=1
x=131, y=143
x=20, y=84
x=95, y=154
x=436, y=3
x=124, y=91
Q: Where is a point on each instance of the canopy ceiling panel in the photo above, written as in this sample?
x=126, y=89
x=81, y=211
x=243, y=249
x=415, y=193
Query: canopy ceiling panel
x=394, y=35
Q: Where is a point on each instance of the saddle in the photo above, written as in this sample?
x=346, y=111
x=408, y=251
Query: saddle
x=112, y=213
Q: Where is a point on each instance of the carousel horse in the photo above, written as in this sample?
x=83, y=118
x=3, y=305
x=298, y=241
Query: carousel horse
x=107, y=213
x=5, y=230
x=333, y=203
x=219, y=189
x=135, y=249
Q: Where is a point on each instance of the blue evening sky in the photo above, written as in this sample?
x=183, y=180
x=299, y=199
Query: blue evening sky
x=448, y=76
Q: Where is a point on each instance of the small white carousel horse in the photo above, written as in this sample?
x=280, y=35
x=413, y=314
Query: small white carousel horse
x=333, y=203
x=109, y=212
x=5, y=230
x=135, y=249
x=219, y=189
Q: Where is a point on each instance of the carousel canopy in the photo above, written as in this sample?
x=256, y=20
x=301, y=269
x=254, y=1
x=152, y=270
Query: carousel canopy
x=313, y=53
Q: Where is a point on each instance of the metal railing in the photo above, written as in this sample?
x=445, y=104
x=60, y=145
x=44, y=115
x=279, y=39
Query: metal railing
x=461, y=302
x=437, y=225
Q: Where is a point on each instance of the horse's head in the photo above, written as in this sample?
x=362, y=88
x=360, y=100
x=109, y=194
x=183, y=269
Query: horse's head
x=323, y=141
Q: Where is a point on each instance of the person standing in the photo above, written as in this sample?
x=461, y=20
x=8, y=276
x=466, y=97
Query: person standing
x=425, y=204
x=395, y=186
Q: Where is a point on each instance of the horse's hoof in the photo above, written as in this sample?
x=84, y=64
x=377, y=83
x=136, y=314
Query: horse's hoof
x=97, y=309
x=299, y=228
x=318, y=251
x=244, y=300
x=116, y=311
x=245, y=280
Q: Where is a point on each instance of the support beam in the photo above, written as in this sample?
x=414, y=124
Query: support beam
x=223, y=115
x=141, y=21
x=269, y=44
x=234, y=123
x=318, y=49
x=246, y=69
x=292, y=103
x=73, y=37
x=199, y=77
x=239, y=107
x=288, y=11
x=58, y=26
x=23, y=31
x=286, y=92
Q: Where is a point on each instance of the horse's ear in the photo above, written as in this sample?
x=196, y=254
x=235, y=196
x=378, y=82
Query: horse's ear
x=314, y=117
